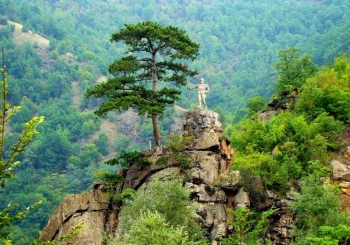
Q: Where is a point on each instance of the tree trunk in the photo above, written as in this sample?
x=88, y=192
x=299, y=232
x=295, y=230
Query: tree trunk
x=156, y=132
x=157, y=137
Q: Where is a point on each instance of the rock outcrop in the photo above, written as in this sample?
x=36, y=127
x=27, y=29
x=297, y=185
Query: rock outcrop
x=213, y=187
x=341, y=173
x=89, y=208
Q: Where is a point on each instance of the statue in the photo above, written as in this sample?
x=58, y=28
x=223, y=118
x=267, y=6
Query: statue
x=203, y=89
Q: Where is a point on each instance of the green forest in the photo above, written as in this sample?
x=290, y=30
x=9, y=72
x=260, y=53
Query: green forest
x=55, y=50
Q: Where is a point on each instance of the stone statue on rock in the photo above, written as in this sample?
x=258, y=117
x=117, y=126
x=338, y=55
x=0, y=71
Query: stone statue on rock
x=203, y=89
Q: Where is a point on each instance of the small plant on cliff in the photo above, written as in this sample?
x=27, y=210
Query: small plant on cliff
x=126, y=158
x=109, y=180
x=177, y=144
x=249, y=227
x=126, y=194
x=166, y=202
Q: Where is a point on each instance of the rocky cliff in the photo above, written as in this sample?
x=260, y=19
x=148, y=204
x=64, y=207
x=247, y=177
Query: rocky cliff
x=214, y=189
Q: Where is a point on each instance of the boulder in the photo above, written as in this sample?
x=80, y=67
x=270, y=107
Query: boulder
x=205, y=193
x=201, y=120
x=241, y=199
x=208, y=141
x=340, y=171
x=206, y=167
x=264, y=116
x=230, y=182
x=346, y=154
x=212, y=213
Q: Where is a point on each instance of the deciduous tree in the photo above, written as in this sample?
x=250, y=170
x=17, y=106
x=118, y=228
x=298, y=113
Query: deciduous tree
x=293, y=70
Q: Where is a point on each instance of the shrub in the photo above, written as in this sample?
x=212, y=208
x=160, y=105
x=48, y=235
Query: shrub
x=152, y=228
x=162, y=161
x=280, y=149
x=316, y=206
x=248, y=227
x=256, y=104
x=168, y=199
x=125, y=159
x=176, y=142
x=317, y=211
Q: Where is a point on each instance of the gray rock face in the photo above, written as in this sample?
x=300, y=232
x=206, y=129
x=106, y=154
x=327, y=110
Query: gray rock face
x=264, y=116
x=230, y=181
x=207, y=140
x=205, y=168
x=89, y=208
x=340, y=171
x=241, y=199
x=203, y=123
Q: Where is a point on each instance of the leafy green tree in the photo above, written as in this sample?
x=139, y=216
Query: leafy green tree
x=90, y=155
x=122, y=143
x=52, y=150
x=328, y=91
x=151, y=229
x=136, y=81
x=249, y=227
x=166, y=198
x=87, y=129
x=3, y=21
x=320, y=220
x=293, y=70
x=24, y=29
x=102, y=143
x=255, y=104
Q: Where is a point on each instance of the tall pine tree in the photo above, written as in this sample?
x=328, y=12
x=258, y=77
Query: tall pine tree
x=154, y=54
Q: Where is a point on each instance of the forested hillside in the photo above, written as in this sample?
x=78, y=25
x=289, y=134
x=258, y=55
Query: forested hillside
x=60, y=48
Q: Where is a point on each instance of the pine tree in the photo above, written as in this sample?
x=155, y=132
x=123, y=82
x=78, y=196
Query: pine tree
x=148, y=77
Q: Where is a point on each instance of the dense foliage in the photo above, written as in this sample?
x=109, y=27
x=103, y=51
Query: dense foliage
x=239, y=42
x=320, y=219
x=297, y=145
x=249, y=227
x=165, y=203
